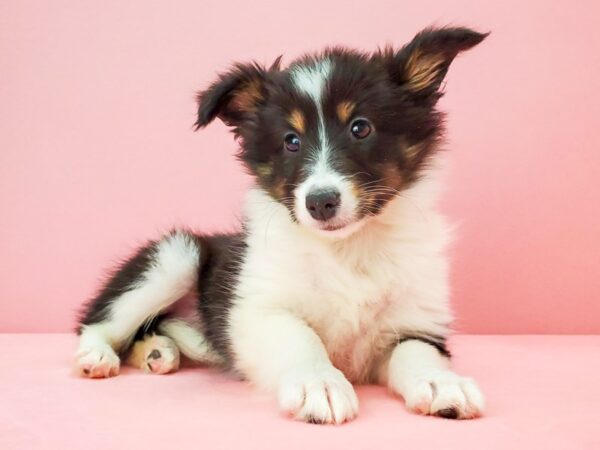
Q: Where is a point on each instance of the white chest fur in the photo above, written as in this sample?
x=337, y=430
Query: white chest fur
x=360, y=293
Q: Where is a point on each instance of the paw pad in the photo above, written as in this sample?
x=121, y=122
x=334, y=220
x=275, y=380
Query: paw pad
x=155, y=354
x=448, y=413
x=101, y=362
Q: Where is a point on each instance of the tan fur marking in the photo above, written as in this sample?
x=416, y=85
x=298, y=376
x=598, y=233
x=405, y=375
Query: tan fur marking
x=248, y=97
x=393, y=176
x=264, y=170
x=356, y=190
x=137, y=355
x=344, y=110
x=413, y=150
x=422, y=69
x=391, y=182
x=296, y=119
x=366, y=197
x=278, y=190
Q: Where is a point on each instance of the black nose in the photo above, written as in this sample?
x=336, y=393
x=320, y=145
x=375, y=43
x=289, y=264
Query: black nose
x=323, y=204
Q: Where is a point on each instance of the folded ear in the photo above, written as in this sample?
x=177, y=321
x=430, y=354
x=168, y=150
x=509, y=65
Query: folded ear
x=235, y=96
x=422, y=64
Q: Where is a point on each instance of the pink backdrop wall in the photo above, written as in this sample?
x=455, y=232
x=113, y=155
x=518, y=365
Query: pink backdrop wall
x=97, y=151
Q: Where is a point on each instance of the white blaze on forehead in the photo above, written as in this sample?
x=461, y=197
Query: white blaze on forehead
x=311, y=80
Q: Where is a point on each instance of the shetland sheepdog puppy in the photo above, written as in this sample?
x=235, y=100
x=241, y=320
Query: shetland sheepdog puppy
x=338, y=274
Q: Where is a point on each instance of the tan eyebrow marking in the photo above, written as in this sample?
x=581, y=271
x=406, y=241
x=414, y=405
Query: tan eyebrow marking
x=296, y=119
x=344, y=110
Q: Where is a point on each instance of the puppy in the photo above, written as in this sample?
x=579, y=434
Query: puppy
x=338, y=274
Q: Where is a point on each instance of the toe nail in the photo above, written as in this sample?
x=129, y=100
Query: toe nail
x=448, y=413
x=154, y=354
x=314, y=420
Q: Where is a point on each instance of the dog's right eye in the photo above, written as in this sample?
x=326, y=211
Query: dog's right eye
x=361, y=128
x=292, y=142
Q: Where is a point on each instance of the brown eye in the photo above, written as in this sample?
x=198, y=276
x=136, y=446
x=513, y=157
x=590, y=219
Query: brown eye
x=361, y=128
x=292, y=142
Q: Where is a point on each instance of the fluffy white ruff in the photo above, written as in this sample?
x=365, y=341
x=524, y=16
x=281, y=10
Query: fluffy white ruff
x=308, y=304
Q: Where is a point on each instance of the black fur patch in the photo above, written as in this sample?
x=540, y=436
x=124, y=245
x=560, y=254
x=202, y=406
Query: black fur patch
x=448, y=413
x=218, y=278
x=150, y=327
x=439, y=342
x=121, y=281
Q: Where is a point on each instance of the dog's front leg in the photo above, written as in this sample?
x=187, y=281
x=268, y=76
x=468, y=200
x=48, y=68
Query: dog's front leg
x=281, y=352
x=419, y=371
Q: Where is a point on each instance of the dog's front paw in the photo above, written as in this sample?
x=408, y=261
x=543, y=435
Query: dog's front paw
x=445, y=394
x=318, y=395
x=97, y=362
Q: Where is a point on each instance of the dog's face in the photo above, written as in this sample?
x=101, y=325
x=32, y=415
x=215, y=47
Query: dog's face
x=335, y=137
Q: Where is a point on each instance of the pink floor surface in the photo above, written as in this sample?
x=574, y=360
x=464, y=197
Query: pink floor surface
x=543, y=392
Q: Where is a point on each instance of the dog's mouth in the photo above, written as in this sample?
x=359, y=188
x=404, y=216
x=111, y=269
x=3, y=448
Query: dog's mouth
x=338, y=229
x=332, y=227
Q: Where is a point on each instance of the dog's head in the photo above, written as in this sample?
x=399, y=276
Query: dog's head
x=335, y=137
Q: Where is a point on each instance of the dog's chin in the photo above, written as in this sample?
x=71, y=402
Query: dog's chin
x=337, y=229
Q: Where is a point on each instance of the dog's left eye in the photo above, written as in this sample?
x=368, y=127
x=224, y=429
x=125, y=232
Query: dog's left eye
x=361, y=128
x=292, y=142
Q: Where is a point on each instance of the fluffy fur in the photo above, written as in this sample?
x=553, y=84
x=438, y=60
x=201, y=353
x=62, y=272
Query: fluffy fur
x=338, y=275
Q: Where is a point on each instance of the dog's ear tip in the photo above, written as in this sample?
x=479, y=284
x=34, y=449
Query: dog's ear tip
x=459, y=33
x=454, y=38
x=480, y=36
x=203, y=117
x=276, y=65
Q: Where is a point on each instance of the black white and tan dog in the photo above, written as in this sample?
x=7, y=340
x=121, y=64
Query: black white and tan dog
x=338, y=274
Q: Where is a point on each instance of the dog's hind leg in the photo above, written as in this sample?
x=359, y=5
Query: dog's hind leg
x=159, y=348
x=158, y=275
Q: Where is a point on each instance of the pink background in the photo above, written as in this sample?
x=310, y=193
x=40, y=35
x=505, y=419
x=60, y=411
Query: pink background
x=97, y=151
